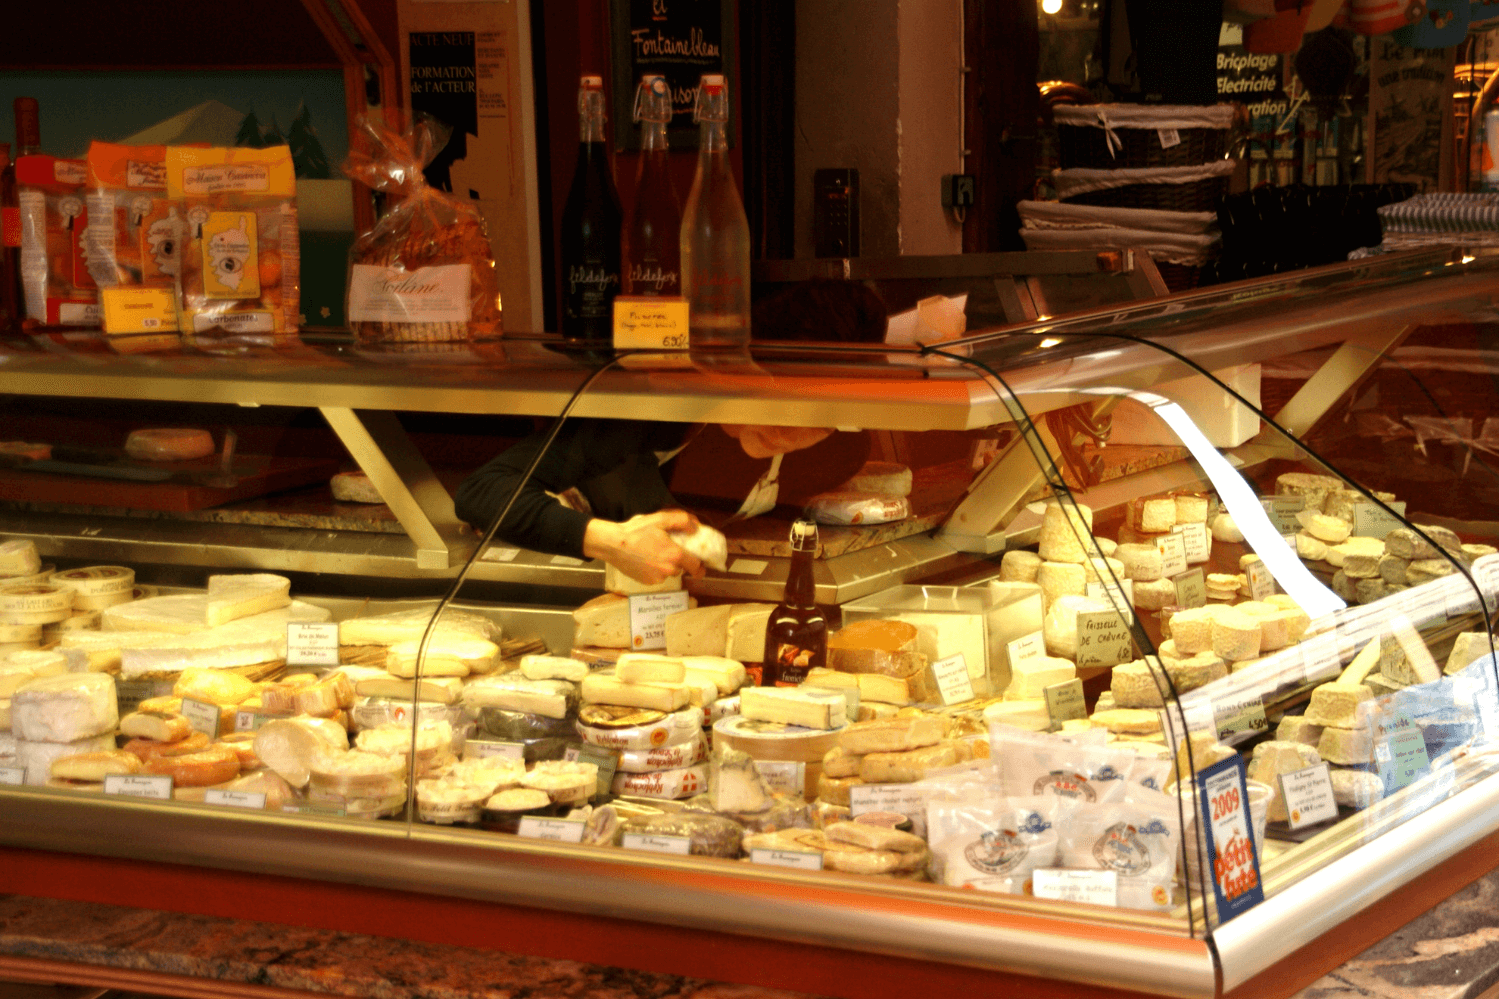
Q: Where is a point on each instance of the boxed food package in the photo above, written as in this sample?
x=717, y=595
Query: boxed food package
x=134, y=237
x=60, y=289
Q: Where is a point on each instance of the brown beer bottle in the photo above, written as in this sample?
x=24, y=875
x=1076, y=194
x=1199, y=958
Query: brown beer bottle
x=796, y=635
x=652, y=250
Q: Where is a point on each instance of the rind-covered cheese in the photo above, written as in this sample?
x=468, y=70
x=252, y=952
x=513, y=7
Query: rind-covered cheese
x=1236, y=636
x=1062, y=579
x=548, y=698
x=1346, y=745
x=806, y=707
x=726, y=673
x=1329, y=530
x=603, y=621
x=539, y=667
x=1142, y=563
x=1134, y=685
x=1337, y=704
x=599, y=688
x=1153, y=515
x=233, y=597
x=1468, y=648
x=892, y=735
x=1154, y=594
x=699, y=631
x=1019, y=566
x=617, y=581
x=907, y=766
x=1271, y=759
x=1298, y=728
x=354, y=487
x=19, y=558
x=1031, y=678
x=1356, y=788
x=64, y=708
x=1192, y=630
x=858, y=508
x=1225, y=529
x=1310, y=548
x=1063, y=530
x=746, y=638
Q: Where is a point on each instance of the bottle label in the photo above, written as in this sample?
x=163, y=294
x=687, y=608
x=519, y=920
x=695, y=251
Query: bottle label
x=793, y=662
x=652, y=279
x=590, y=291
x=396, y=295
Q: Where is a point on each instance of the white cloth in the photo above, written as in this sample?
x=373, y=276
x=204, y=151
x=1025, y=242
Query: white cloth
x=1145, y=115
x=1081, y=180
x=1061, y=215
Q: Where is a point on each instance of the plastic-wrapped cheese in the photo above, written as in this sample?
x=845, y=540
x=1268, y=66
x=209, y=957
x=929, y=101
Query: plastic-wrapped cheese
x=354, y=487
x=683, y=782
x=169, y=444
x=851, y=508
x=635, y=728
x=64, y=708
x=706, y=544
x=883, y=478
x=36, y=758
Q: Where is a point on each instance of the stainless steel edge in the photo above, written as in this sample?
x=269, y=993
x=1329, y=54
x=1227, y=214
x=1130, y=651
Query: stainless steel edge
x=1141, y=954
x=1319, y=903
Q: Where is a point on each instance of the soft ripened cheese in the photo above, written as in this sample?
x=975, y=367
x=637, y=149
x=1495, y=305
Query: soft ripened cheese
x=1030, y=715
x=617, y=581
x=1356, y=788
x=1142, y=563
x=1192, y=630
x=1059, y=626
x=1195, y=671
x=1330, y=530
x=294, y=747
x=64, y=708
x=1364, y=551
x=1191, y=509
x=446, y=656
x=1346, y=745
x=1030, y=679
x=187, y=613
x=442, y=689
x=1225, y=529
x=1154, y=594
x=233, y=597
x=1020, y=566
x=699, y=631
x=728, y=674
x=1271, y=759
x=1061, y=579
x=807, y=707
x=1310, y=548
x=1298, y=728
x=549, y=698
x=536, y=667
x=213, y=686
x=1134, y=685
x=1309, y=485
x=1337, y=704
x=599, y=688
x=1236, y=636
x=735, y=785
x=1155, y=515
x=1426, y=569
x=19, y=558
x=1468, y=648
x=603, y=621
x=1063, y=531
x=746, y=639
x=707, y=545
x=1107, y=569
x=908, y=766
x=1392, y=569
x=36, y=758
x=642, y=667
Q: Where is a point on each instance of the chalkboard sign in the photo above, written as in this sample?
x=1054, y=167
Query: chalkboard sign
x=681, y=40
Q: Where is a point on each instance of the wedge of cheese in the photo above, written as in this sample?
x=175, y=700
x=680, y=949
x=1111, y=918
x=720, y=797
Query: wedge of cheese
x=446, y=656
x=600, y=688
x=442, y=689
x=616, y=581
x=604, y=620
x=746, y=637
x=728, y=674
x=233, y=597
x=537, y=667
x=642, y=667
x=699, y=631
x=807, y=707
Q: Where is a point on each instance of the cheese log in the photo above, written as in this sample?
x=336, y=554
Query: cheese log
x=746, y=639
x=1469, y=647
x=700, y=631
x=1271, y=759
x=1329, y=530
x=598, y=688
x=156, y=726
x=906, y=767
x=233, y=597
x=1019, y=566
x=1225, y=529
x=442, y=689
x=1426, y=569
x=213, y=686
x=446, y=656
x=1356, y=788
x=892, y=735
x=64, y=708
x=1134, y=685
x=1298, y=728
x=1310, y=548
x=704, y=543
x=1346, y=745
x=1407, y=544
x=806, y=707
x=1192, y=631
x=728, y=674
x=640, y=667
x=1142, y=563
x=1337, y=704
x=1063, y=531
x=1236, y=636
x=838, y=763
x=1029, y=680
x=1392, y=569
x=616, y=581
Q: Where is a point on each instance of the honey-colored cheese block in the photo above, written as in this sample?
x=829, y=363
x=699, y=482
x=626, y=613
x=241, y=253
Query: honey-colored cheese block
x=886, y=636
x=1298, y=728
x=1346, y=745
x=1271, y=759
x=1337, y=704
x=835, y=790
x=906, y=767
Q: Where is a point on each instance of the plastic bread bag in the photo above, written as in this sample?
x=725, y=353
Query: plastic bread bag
x=424, y=273
x=994, y=843
x=59, y=287
x=1136, y=838
x=1033, y=763
x=134, y=237
x=241, y=259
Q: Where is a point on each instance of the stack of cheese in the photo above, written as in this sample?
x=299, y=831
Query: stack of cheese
x=537, y=706
x=459, y=794
x=638, y=700
x=31, y=605
x=59, y=714
x=1148, y=519
x=898, y=750
x=852, y=847
x=302, y=694
x=462, y=644
x=20, y=565
x=164, y=742
x=879, y=657
x=877, y=494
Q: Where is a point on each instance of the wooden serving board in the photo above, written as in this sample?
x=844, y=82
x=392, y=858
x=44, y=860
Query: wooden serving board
x=185, y=491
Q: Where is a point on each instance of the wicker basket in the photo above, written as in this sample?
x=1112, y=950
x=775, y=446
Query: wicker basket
x=1197, y=196
x=1179, y=277
x=1086, y=146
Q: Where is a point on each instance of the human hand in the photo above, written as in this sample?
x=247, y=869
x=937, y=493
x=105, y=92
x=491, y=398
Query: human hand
x=765, y=442
x=641, y=548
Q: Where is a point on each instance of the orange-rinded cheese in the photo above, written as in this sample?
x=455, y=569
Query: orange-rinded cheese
x=886, y=636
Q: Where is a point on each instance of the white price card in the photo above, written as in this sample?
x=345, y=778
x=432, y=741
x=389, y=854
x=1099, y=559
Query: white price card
x=1308, y=795
x=678, y=845
x=1282, y=511
x=322, y=808
x=1103, y=639
x=1370, y=520
x=1173, y=549
x=1261, y=580
x=12, y=775
x=953, y=681
x=312, y=644
x=1026, y=648
x=1095, y=887
x=1195, y=537
x=1064, y=702
x=474, y=749
x=1239, y=712
x=783, y=776
x=787, y=858
x=552, y=830
x=1168, y=137
x=903, y=799
x=136, y=786
x=203, y=717
x=648, y=614
x=234, y=799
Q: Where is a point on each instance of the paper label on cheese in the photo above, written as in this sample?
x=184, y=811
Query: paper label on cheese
x=678, y=845
x=1103, y=639
x=1094, y=887
x=904, y=799
x=787, y=858
x=12, y=775
x=139, y=786
x=312, y=644
x=1195, y=537
x=1173, y=549
x=953, y=682
x=250, y=721
x=1370, y=520
x=607, y=760
x=1308, y=795
x=1282, y=511
x=552, y=830
x=234, y=799
x=1261, y=580
x=395, y=295
x=648, y=614
x=1191, y=589
x=203, y=717
x=313, y=808
x=784, y=776
x=138, y=310
x=474, y=749
x=1064, y=702
x=1399, y=753
x=1026, y=648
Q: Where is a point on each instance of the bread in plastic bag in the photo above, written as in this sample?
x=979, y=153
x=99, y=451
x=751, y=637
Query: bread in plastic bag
x=424, y=273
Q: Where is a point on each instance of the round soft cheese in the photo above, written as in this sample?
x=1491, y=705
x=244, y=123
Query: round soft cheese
x=169, y=444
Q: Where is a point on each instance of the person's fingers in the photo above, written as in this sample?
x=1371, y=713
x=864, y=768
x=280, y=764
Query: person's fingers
x=673, y=520
x=692, y=566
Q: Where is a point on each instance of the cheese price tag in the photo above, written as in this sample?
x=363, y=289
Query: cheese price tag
x=1173, y=549
x=1231, y=856
x=787, y=858
x=12, y=775
x=1095, y=887
x=312, y=644
x=133, y=786
x=313, y=808
x=1191, y=589
x=1282, y=511
x=783, y=776
x=748, y=566
x=138, y=310
x=1239, y=712
x=648, y=614
x=1103, y=639
x=1026, y=648
x=1168, y=137
x=552, y=830
x=903, y=799
x=607, y=760
x=1195, y=537
x=249, y=721
x=1261, y=580
x=1308, y=795
x=1064, y=702
x=1370, y=520
x=1400, y=756
x=953, y=682
x=499, y=555
x=234, y=799
x=203, y=717
x=650, y=323
x=678, y=845
x=475, y=749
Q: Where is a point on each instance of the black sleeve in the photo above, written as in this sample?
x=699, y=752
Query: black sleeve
x=584, y=449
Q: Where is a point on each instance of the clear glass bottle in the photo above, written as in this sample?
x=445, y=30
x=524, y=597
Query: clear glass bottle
x=652, y=250
x=796, y=634
x=590, y=235
x=28, y=142
x=715, y=233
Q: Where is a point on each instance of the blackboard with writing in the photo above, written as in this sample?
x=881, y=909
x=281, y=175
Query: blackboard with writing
x=681, y=40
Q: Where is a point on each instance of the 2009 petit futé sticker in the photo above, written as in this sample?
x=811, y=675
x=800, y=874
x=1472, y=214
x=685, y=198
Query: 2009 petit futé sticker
x=1223, y=800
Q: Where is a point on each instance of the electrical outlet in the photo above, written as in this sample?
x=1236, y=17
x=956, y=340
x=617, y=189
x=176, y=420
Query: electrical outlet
x=957, y=190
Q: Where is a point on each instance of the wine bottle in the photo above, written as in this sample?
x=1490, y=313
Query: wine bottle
x=715, y=233
x=796, y=634
x=652, y=250
x=590, y=228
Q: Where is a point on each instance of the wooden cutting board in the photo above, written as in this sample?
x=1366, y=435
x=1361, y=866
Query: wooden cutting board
x=185, y=491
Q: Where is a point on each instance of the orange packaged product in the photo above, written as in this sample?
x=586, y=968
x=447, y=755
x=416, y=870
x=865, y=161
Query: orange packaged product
x=59, y=288
x=424, y=273
x=134, y=237
x=241, y=259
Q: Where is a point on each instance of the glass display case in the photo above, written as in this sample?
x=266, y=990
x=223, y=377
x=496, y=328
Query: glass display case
x=1154, y=658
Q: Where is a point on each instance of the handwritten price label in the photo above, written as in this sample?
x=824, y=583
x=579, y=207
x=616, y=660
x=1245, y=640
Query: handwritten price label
x=650, y=323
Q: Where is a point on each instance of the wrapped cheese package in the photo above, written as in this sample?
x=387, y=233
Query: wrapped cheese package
x=134, y=237
x=55, y=276
x=424, y=273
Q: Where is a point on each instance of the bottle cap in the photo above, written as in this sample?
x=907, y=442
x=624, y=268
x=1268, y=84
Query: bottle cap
x=653, y=99
x=592, y=82
x=712, y=99
x=591, y=96
x=803, y=530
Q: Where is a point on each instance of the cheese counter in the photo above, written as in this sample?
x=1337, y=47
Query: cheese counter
x=1127, y=682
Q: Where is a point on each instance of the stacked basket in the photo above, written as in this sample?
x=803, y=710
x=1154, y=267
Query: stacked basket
x=1163, y=158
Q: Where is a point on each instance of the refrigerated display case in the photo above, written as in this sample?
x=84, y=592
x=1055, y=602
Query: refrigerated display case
x=1054, y=466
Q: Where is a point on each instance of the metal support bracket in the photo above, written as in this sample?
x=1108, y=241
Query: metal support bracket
x=1345, y=368
x=378, y=443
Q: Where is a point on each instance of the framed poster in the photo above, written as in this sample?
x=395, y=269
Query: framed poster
x=682, y=40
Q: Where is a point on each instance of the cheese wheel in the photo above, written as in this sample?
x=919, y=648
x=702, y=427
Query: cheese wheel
x=1142, y=563
x=22, y=634
x=1225, y=529
x=1155, y=594
x=1192, y=630
x=354, y=487
x=1020, y=566
x=37, y=603
x=95, y=766
x=19, y=558
x=212, y=765
x=857, y=508
x=1329, y=530
x=97, y=581
x=1236, y=636
x=883, y=478
x=169, y=444
x=156, y=726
